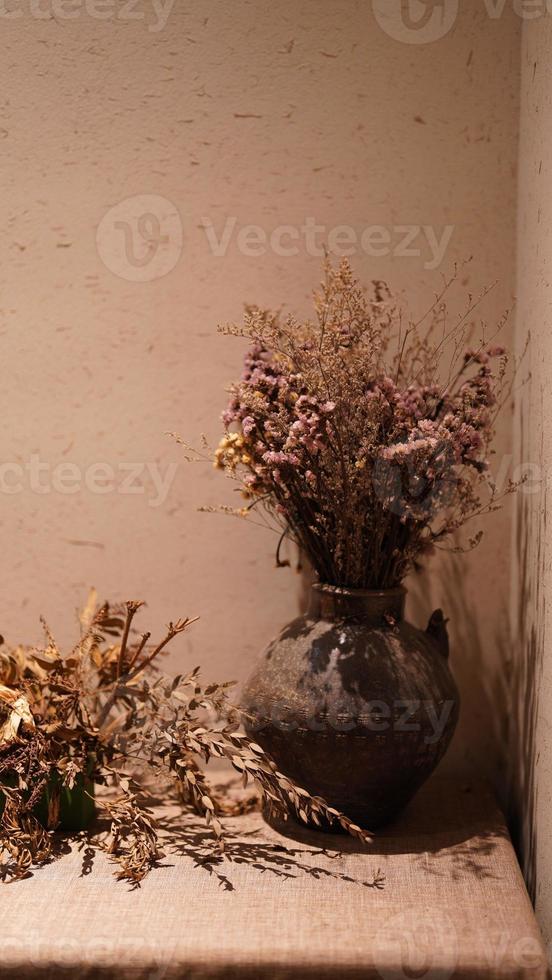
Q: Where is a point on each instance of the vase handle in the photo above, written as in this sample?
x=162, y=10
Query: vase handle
x=437, y=629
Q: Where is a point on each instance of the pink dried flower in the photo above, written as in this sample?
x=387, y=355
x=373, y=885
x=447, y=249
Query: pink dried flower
x=358, y=433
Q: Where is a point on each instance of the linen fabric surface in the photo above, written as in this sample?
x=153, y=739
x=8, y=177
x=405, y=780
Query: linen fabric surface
x=454, y=904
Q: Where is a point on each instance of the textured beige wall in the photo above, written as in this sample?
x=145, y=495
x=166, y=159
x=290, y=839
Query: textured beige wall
x=532, y=704
x=270, y=114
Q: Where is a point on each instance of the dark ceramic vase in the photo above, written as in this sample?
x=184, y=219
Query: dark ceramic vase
x=355, y=704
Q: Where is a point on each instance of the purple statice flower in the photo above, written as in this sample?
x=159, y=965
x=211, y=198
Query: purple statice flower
x=272, y=458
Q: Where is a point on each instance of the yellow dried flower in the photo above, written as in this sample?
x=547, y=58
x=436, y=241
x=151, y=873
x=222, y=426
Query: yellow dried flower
x=227, y=452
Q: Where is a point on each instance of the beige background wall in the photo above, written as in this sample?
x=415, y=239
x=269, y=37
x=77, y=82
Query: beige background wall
x=532, y=704
x=256, y=113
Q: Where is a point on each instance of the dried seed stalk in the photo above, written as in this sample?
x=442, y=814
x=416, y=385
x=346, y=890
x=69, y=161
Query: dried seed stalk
x=108, y=708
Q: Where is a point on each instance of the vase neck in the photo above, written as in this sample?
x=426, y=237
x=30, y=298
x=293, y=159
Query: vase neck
x=331, y=603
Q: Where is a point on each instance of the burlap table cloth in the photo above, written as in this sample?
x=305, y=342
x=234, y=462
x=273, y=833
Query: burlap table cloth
x=454, y=904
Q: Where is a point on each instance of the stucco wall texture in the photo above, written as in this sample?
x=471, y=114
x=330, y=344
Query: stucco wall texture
x=532, y=703
x=134, y=154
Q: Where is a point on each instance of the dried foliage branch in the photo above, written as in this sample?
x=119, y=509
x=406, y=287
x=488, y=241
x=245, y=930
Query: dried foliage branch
x=107, y=715
x=365, y=435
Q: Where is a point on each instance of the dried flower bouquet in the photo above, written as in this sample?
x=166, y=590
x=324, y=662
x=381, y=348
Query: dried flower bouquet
x=106, y=713
x=364, y=433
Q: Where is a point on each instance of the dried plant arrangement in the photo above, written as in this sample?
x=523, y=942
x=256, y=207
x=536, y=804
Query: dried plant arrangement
x=365, y=435
x=106, y=715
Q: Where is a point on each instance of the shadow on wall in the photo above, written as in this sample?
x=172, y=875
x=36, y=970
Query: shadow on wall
x=480, y=664
x=526, y=671
x=500, y=694
x=502, y=700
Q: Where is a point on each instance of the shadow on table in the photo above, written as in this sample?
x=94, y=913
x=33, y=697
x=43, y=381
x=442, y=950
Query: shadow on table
x=62, y=845
x=190, y=838
x=450, y=830
x=185, y=835
x=460, y=824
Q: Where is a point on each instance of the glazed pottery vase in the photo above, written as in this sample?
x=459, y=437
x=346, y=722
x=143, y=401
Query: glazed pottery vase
x=355, y=704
